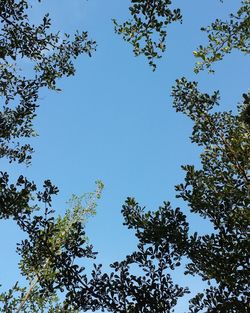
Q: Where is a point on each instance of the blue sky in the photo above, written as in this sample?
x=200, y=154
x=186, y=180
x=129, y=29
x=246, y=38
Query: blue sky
x=114, y=121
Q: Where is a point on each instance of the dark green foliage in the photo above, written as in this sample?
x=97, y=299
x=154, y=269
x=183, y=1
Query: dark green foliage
x=219, y=192
x=146, y=30
x=224, y=36
x=158, y=252
x=47, y=258
x=55, y=266
x=49, y=252
x=157, y=227
x=51, y=57
x=14, y=200
x=245, y=113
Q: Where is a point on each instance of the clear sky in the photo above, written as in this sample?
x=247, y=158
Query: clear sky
x=114, y=121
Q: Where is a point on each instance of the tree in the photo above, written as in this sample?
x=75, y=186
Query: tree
x=224, y=36
x=51, y=246
x=146, y=31
x=52, y=243
x=219, y=191
x=51, y=57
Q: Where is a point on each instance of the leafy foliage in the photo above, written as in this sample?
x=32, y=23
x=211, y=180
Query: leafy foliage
x=36, y=304
x=51, y=246
x=146, y=30
x=224, y=36
x=218, y=191
x=51, y=57
x=245, y=113
x=124, y=290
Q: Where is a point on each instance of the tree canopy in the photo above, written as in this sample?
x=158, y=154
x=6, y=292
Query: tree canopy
x=218, y=191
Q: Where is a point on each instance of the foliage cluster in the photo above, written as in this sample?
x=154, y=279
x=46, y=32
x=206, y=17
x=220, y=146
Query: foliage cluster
x=218, y=191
